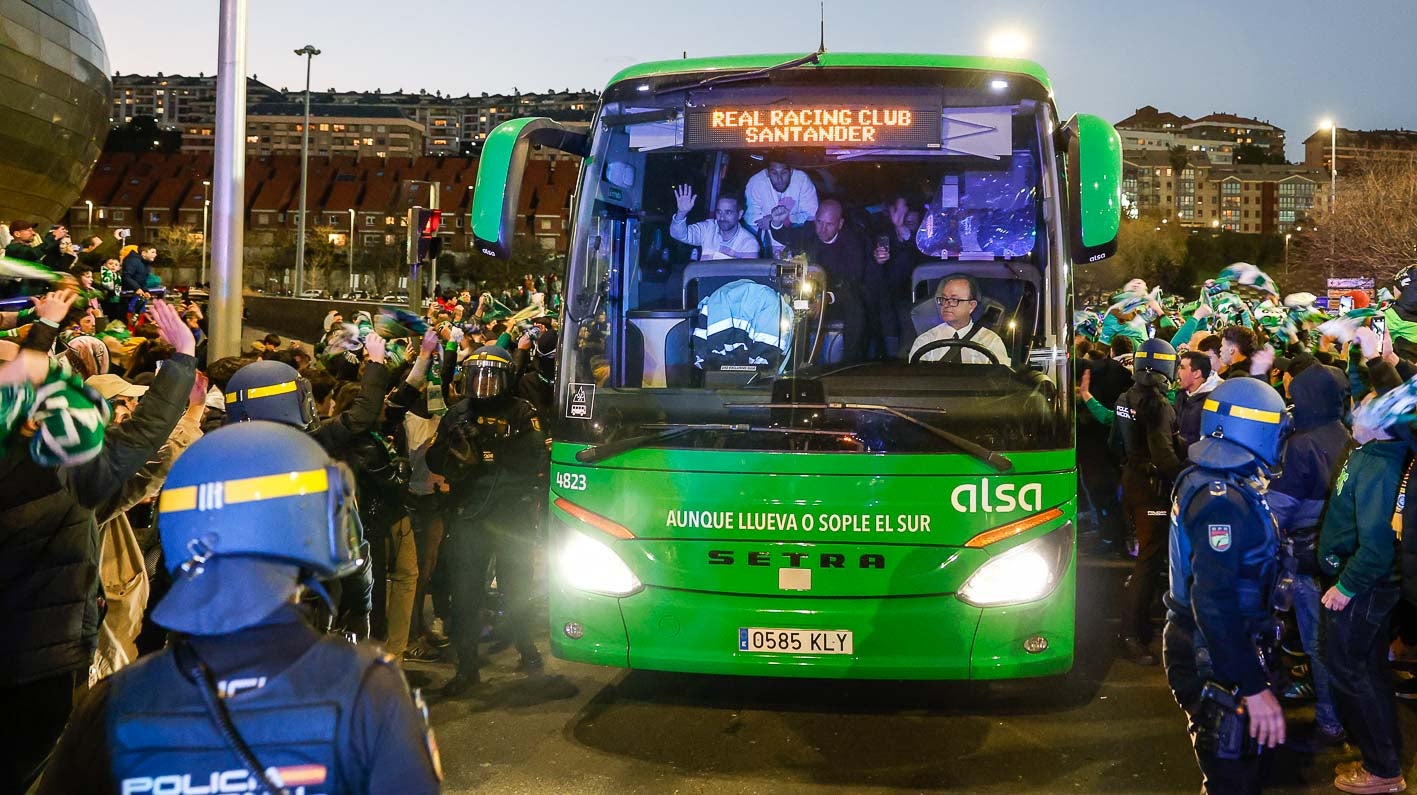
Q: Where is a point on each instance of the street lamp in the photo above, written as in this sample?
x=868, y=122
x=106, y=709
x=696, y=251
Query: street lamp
x=206, y=212
x=1332, y=127
x=309, y=52
x=351, y=248
x=1008, y=43
x=89, y=203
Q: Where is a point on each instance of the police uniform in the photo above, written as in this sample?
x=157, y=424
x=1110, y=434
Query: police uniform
x=492, y=449
x=1224, y=546
x=247, y=696
x=1145, y=433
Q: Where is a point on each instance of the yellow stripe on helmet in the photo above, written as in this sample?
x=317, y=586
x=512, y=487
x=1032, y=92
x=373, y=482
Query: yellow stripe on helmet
x=210, y=496
x=1245, y=413
x=1165, y=357
x=261, y=391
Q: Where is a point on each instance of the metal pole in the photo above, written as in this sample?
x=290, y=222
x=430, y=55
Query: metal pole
x=435, y=190
x=206, y=210
x=229, y=179
x=309, y=52
x=1333, y=167
x=415, y=287
x=351, y=249
x=89, y=202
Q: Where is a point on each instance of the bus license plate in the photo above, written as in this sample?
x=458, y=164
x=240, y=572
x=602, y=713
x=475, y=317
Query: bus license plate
x=795, y=641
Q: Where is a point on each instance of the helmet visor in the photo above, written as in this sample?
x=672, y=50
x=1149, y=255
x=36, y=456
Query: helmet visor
x=486, y=382
x=346, y=530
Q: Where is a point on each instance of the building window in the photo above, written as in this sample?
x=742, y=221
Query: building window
x=263, y=219
x=119, y=215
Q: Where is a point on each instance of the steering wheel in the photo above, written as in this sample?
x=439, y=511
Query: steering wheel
x=956, y=343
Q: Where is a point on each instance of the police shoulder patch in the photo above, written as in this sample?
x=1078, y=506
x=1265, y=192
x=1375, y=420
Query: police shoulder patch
x=1219, y=535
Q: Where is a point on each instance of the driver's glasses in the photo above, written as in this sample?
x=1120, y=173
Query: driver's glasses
x=953, y=302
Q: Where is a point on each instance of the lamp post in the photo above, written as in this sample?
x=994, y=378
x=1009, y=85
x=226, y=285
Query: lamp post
x=1287, y=235
x=1332, y=127
x=309, y=52
x=350, y=245
x=206, y=211
x=89, y=204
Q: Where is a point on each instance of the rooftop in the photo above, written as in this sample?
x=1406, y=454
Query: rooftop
x=834, y=60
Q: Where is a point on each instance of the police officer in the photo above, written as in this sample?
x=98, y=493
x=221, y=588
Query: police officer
x=1220, y=626
x=491, y=448
x=1145, y=435
x=247, y=696
x=275, y=391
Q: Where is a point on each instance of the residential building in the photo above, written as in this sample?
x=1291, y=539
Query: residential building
x=1358, y=149
x=178, y=102
x=1216, y=136
x=450, y=125
x=362, y=131
x=1194, y=192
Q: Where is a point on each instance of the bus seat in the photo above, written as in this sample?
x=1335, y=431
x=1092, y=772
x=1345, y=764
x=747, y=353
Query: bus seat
x=659, y=340
x=702, y=278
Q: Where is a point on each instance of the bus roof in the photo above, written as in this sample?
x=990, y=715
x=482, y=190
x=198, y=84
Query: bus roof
x=836, y=59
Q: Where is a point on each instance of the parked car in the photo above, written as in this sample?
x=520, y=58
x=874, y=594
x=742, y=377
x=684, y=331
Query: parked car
x=359, y=295
x=314, y=294
x=393, y=298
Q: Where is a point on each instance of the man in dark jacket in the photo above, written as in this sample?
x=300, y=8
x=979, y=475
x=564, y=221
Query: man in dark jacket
x=1402, y=315
x=1298, y=497
x=24, y=246
x=1194, y=380
x=49, y=550
x=837, y=248
x=136, y=270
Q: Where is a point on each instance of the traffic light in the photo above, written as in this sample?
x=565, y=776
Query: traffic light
x=429, y=243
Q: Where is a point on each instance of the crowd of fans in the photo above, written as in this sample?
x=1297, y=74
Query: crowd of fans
x=104, y=382
x=1348, y=374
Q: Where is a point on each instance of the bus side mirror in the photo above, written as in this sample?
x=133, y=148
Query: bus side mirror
x=1094, y=187
x=497, y=192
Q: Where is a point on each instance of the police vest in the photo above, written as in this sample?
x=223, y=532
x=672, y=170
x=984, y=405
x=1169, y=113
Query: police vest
x=1258, y=564
x=163, y=740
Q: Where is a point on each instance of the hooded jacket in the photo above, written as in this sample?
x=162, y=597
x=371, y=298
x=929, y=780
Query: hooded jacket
x=1357, y=542
x=1317, y=449
x=1189, y=408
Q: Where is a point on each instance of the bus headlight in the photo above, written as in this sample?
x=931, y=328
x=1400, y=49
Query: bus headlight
x=589, y=565
x=1026, y=573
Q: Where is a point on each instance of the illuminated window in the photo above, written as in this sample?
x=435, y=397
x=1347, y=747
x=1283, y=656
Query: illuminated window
x=324, y=128
x=340, y=127
x=253, y=139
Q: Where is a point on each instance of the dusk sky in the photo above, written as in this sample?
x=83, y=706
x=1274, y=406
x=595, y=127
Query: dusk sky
x=1290, y=63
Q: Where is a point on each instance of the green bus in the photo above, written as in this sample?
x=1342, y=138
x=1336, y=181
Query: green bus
x=735, y=488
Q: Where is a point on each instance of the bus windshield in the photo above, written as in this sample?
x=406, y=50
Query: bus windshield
x=820, y=262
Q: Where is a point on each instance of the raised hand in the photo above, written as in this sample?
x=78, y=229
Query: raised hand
x=173, y=331
x=780, y=215
x=684, y=199
x=375, y=348
x=54, y=306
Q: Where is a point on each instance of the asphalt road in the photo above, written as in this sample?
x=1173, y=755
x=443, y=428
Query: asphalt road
x=1109, y=726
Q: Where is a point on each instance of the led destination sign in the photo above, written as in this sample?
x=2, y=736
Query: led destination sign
x=899, y=125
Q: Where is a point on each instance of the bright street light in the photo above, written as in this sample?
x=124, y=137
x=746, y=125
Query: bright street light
x=1008, y=43
x=309, y=52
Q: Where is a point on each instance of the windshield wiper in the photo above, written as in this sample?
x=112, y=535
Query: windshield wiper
x=600, y=452
x=718, y=80
x=998, y=461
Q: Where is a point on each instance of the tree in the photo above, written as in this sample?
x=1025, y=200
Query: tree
x=1146, y=249
x=1370, y=231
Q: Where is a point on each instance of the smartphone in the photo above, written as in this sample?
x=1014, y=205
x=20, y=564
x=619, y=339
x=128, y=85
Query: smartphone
x=883, y=242
x=1380, y=325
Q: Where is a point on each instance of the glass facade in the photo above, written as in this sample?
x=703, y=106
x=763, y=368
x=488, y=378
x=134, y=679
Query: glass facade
x=55, y=97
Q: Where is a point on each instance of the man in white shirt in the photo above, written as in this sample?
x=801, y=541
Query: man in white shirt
x=958, y=296
x=720, y=237
x=780, y=185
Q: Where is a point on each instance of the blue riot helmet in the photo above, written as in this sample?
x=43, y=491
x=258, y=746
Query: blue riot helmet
x=1242, y=420
x=270, y=391
x=487, y=373
x=247, y=513
x=1156, y=355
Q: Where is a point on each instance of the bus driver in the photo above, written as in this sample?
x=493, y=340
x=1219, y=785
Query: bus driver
x=958, y=296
